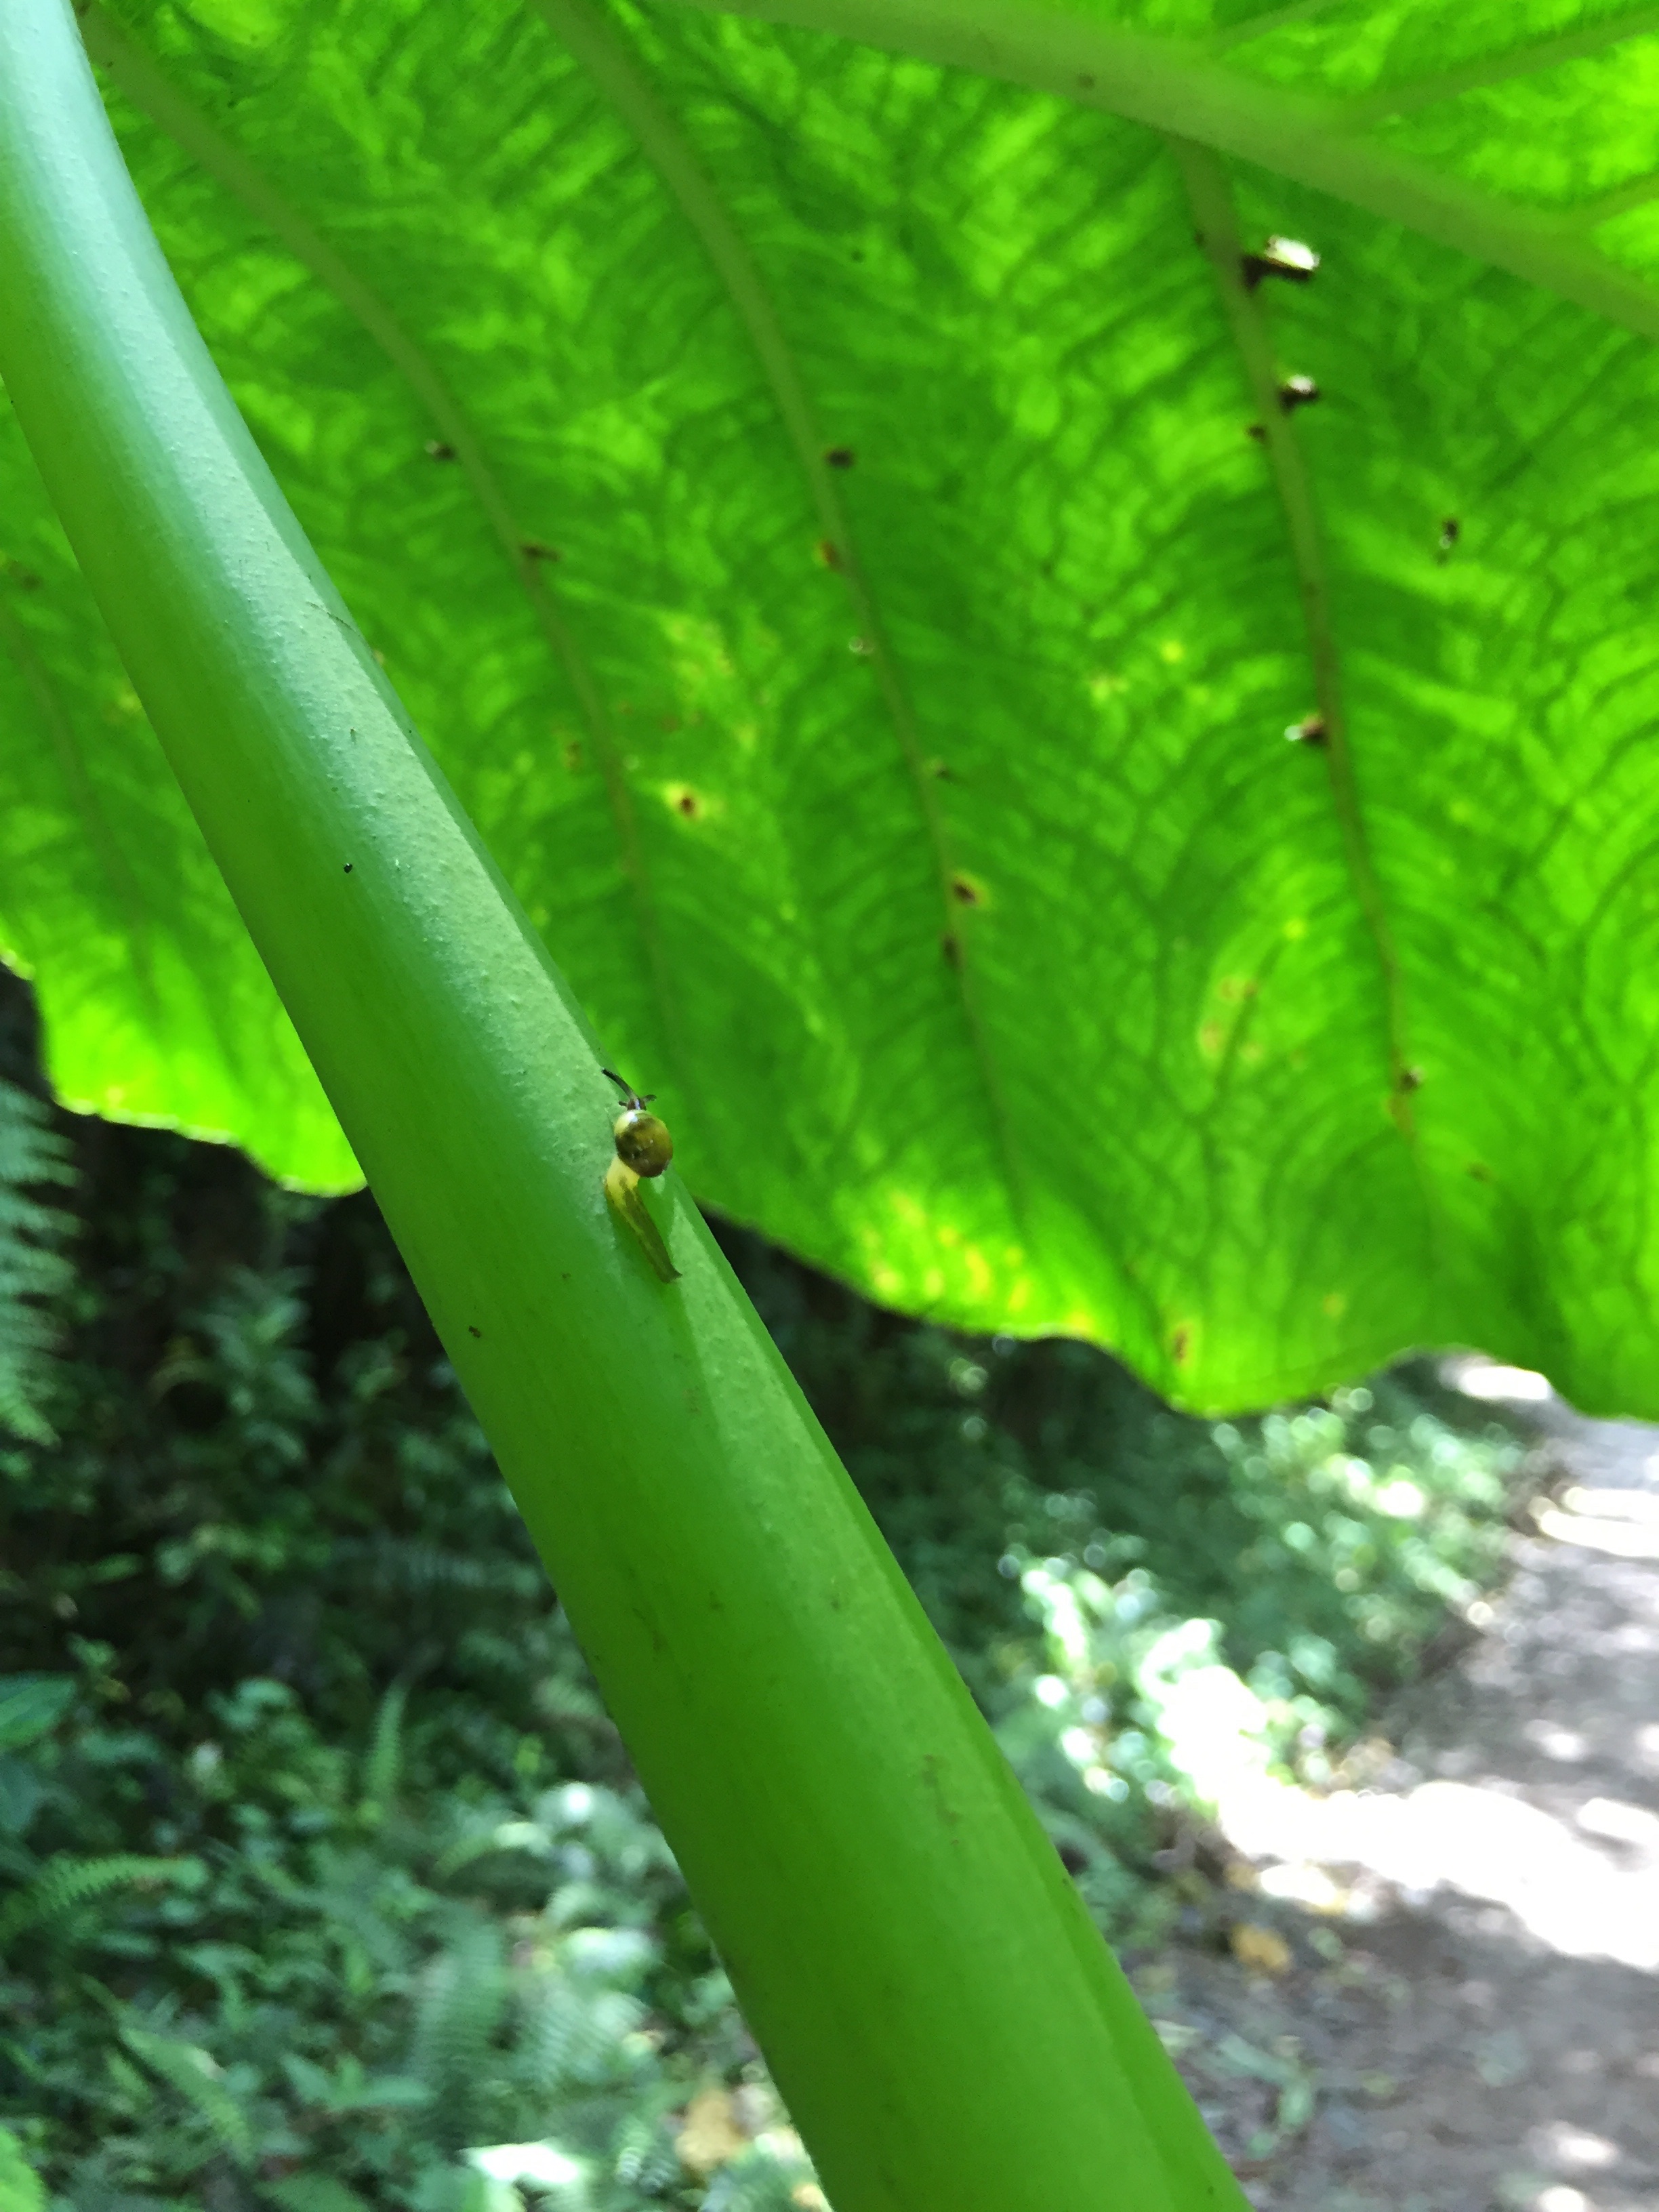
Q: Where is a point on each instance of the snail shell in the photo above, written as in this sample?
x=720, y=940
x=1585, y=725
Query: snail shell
x=642, y=1141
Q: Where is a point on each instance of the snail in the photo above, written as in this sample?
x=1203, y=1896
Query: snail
x=644, y=1148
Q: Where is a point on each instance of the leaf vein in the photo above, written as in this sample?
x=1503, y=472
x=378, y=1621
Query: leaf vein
x=149, y=90
x=619, y=77
x=1218, y=228
x=1405, y=98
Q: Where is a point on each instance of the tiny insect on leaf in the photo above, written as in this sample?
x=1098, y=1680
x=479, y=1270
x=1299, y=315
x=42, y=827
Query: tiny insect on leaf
x=1286, y=259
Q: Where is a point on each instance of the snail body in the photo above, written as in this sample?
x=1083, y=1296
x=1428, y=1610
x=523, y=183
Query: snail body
x=644, y=1148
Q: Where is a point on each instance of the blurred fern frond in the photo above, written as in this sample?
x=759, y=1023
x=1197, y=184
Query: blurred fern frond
x=462, y=1998
x=383, y=1766
x=194, y=2075
x=67, y=1883
x=32, y=1268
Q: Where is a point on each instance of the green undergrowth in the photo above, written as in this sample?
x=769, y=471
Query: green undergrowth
x=324, y=1880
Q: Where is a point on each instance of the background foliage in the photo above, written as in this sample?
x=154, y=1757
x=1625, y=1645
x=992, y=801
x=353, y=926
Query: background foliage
x=806, y=497
x=320, y=1864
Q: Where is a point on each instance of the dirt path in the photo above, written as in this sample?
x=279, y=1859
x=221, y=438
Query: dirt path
x=1468, y=2016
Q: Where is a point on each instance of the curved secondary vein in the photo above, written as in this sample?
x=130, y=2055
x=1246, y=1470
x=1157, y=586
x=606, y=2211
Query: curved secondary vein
x=1180, y=90
x=1272, y=19
x=1623, y=199
x=1217, y=231
x=149, y=90
x=1406, y=97
x=615, y=70
x=71, y=762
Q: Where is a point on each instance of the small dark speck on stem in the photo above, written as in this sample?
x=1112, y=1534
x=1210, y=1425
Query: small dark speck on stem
x=473, y=1332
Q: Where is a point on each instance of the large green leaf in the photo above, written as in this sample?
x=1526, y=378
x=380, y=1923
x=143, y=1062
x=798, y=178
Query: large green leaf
x=894, y=755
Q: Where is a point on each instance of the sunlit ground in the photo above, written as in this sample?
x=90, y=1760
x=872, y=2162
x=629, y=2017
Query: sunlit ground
x=1543, y=1809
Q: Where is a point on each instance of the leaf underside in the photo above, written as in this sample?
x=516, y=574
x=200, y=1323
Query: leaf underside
x=807, y=498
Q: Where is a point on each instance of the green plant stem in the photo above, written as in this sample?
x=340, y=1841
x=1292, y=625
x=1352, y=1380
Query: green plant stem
x=1182, y=89
x=947, y=2025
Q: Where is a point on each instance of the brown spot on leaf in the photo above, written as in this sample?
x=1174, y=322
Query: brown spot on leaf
x=840, y=457
x=533, y=550
x=949, y=947
x=1180, y=1343
x=439, y=449
x=828, y=552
